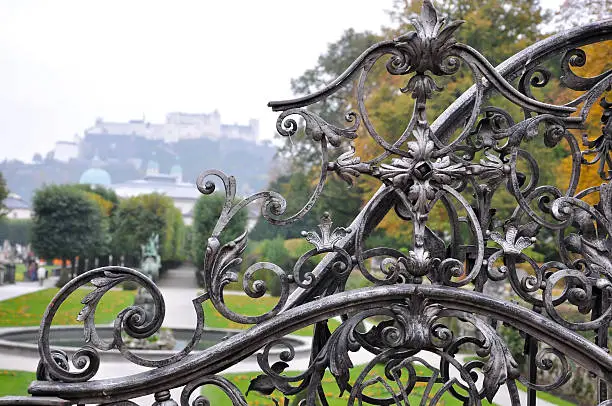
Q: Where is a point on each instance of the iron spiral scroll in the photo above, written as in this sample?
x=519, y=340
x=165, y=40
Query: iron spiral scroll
x=416, y=299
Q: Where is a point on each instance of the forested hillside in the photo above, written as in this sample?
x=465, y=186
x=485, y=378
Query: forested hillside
x=125, y=158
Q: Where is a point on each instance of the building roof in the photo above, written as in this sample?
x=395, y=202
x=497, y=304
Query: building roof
x=162, y=184
x=13, y=202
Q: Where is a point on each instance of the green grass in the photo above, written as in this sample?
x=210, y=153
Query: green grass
x=27, y=310
x=540, y=395
x=15, y=382
x=332, y=394
x=547, y=397
x=248, y=306
x=20, y=271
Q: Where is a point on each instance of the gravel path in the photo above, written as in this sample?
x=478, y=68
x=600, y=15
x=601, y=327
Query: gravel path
x=9, y=291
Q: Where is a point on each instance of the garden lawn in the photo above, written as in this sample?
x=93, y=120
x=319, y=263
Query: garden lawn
x=15, y=382
x=27, y=310
x=20, y=271
x=332, y=393
x=243, y=304
x=547, y=397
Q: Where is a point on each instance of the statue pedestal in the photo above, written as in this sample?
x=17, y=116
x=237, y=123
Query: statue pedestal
x=145, y=300
x=162, y=339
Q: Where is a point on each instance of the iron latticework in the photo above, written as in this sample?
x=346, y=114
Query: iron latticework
x=419, y=300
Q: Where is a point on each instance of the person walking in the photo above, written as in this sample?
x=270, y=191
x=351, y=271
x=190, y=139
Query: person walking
x=32, y=271
x=41, y=273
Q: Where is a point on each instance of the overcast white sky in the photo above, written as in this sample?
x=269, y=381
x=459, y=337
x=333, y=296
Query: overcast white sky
x=64, y=63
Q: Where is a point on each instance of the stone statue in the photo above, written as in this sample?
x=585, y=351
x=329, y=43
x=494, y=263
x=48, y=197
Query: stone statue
x=150, y=261
x=7, y=263
x=7, y=255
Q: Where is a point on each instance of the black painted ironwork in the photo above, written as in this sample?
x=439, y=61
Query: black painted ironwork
x=420, y=301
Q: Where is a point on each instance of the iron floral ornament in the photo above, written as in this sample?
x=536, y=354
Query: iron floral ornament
x=434, y=315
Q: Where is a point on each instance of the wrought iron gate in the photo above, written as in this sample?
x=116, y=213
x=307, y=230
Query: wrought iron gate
x=419, y=302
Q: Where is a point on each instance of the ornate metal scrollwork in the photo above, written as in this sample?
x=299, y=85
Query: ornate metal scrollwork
x=430, y=303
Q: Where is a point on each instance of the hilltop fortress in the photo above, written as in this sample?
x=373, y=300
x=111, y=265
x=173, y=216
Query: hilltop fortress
x=178, y=126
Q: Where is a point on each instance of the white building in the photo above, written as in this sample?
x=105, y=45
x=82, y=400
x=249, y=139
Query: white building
x=183, y=194
x=65, y=151
x=179, y=126
x=17, y=207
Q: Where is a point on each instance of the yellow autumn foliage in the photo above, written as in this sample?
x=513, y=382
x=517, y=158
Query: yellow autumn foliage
x=105, y=206
x=599, y=60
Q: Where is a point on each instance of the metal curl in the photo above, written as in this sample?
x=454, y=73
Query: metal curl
x=450, y=64
x=494, y=273
x=232, y=392
x=87, y=359
x=317, y=128
x=123, y=319
x=564, y=207
x=253, y=289
x=534, y=77
x=528, y=284
x=580, y=294
x=473, y=57
x=340, y=267
x=545, y=363
x=281, y=381
x=577, y=57
x=259, y=288
x=442, y=335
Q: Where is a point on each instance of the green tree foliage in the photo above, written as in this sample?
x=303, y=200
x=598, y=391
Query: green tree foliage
x=138, y=217
x=108, y=201
x=172, y=248
x=205, y=214
x=105, y=193
x=330, y=65
x=279, y=251
x=498, y=30
x=273, y=251
x=303, y=153
x=17, y=231
x=300, y=155
x=4, y=192
x=66, y=223
x=341, y=202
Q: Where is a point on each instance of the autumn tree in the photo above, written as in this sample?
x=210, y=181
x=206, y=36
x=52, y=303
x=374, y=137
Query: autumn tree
x=593, y=174
x=299, y=156
x=508, y=29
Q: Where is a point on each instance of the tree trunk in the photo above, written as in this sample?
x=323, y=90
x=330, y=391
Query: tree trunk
x=72, y=264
